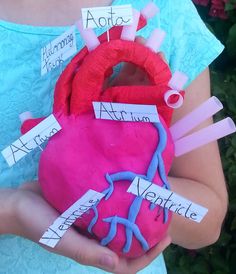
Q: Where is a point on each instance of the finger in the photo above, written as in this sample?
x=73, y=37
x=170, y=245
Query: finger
x=72, y=244
x=35, y=216
x=31, y=186
x=126, y=72
x=152, y=254
x=135, y=265
x=141, y=76
x=129, y=70
x=86, y=251
x=138, y=73
x=163, y=57
x=158, y=249
x=140, y=40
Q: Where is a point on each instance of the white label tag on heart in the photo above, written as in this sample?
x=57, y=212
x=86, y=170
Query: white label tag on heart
x=107, y=17
x=56, y=231
x=126, y=112
x=167, y=199
x=58, y=50
x=32, y=139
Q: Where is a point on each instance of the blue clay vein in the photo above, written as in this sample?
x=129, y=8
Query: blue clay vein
x=131, y=227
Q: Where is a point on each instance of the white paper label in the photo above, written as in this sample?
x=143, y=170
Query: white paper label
x=126, y=112
x=167, y=199
x=58, y=50
x=107, y=17
x=32, y=139
x=56, y=231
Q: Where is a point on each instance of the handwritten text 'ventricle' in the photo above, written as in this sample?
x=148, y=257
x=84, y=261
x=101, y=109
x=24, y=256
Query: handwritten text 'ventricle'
x=61, y=225
x=167, y=199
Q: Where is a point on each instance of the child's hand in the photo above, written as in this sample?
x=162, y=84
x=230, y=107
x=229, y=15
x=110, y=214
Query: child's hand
x=33, y=215
x=130, y=74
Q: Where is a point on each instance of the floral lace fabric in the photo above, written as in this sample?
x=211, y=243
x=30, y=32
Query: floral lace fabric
x=189, y=47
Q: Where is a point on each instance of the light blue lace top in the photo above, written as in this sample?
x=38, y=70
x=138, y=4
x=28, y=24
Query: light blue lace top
x=189, y=47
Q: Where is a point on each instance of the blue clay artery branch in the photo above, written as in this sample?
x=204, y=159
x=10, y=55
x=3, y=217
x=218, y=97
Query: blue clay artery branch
x=131, y=228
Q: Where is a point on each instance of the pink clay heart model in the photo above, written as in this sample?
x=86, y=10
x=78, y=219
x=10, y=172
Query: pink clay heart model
x=105, y=155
